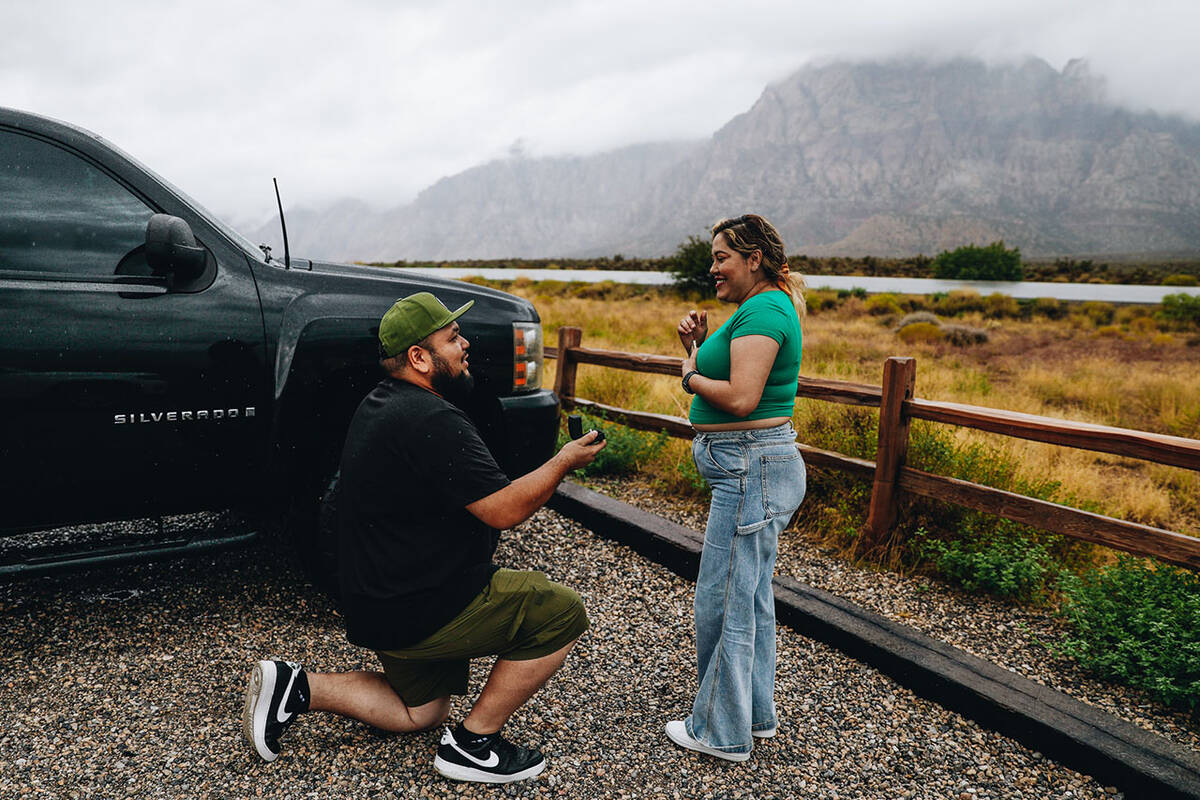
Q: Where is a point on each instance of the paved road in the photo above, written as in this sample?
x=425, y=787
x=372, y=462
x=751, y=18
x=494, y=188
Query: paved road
x=127, y=682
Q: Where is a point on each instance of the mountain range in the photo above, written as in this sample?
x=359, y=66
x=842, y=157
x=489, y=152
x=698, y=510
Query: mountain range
x=887, y=159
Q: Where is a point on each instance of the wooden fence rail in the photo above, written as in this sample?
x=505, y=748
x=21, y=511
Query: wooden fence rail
x=892, y=477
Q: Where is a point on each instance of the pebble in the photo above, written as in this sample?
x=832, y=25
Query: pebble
x=77, y=724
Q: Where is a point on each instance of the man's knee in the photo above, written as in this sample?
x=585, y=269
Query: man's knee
x=571, y=619
x=431, y=714
x=554, y=621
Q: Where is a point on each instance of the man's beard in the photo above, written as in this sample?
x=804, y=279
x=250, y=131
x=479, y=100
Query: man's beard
x=454, y=388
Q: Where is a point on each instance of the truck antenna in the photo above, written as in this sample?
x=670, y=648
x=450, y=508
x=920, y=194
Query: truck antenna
x=287, y=256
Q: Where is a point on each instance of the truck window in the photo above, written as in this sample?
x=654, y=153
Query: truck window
x=61, y=214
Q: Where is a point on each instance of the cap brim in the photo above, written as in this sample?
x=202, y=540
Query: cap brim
x=457, y=313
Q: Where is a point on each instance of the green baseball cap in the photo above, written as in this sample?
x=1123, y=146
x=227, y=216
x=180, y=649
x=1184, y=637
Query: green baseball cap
x=412, y=318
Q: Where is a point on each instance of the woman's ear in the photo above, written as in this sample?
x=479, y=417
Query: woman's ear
x=755, y=260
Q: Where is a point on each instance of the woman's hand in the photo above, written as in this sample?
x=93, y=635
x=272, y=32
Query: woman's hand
x=689, y=363
x=693, y=329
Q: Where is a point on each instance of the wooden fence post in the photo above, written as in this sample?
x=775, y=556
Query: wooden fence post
x=899, y=377
x=564, y=377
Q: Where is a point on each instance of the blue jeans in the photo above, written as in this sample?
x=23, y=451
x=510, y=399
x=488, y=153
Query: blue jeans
x=758, y=480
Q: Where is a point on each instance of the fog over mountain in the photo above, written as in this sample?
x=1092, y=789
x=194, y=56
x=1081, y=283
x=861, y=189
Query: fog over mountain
x=890, y=158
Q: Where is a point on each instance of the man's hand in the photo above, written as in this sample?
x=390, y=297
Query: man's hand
x=582, y=451
x=516, y=502
x=693, y=329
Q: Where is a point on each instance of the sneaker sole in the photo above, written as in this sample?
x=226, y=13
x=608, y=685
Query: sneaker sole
x=457, y=772
x=770, y=734
x=683, y=740
x=254, y=713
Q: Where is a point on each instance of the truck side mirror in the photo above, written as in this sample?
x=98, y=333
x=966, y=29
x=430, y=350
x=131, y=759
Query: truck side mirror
x=171, y=249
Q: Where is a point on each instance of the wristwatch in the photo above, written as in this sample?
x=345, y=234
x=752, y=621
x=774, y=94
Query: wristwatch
x=687, y=378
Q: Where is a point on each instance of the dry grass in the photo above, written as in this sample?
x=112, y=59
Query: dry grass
x=1074, y=368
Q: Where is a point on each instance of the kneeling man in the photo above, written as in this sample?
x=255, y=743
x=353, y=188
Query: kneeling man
x=420, y=502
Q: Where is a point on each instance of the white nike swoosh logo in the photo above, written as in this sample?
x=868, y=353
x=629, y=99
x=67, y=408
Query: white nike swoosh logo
x=281, y=715
x=492, y=760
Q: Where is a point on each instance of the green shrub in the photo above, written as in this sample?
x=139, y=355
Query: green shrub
x=628, y=449
x=999, y=305
x=932, y=448
x=820, y=300
x=1099, y=313
x=842, y=502
x=920, y=332
x=880, y=304
x=1180, y=279
x=1181, y=308
x=690, y=264
x=1050, y=308
x=964, y=335
x=977, y=544
x=848, y=430
x=1004, y=563
x=912, y=302
x=958, y=302
x=973, y=263
x=1128, y=315
x=691, y=479
x=836, y=505
x=601, y=290
x=1138, y=624
x=918, y=316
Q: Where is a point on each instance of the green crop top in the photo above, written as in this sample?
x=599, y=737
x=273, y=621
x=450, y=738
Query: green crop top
x=770, y=313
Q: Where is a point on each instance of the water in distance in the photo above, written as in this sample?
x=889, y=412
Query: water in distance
x=1105, y=292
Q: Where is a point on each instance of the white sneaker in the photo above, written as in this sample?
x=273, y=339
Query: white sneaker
x=677, y=733
x=499, y=761
x=265, y=716
x=769, y=733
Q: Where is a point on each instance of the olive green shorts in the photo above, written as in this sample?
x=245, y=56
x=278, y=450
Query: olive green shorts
x=518, y=616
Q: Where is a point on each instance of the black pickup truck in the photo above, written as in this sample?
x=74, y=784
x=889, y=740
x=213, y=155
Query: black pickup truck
x=154, y=362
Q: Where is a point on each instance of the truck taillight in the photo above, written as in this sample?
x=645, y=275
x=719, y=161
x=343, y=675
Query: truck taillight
x=527, y=356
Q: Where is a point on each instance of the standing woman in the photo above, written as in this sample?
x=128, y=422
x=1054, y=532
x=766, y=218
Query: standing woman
x=743, y=378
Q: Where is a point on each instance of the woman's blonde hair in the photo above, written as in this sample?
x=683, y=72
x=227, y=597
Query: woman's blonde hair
x=751, y=232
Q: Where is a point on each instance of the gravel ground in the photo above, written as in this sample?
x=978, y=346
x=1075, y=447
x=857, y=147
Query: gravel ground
x=127, y=682
x=1011, y=636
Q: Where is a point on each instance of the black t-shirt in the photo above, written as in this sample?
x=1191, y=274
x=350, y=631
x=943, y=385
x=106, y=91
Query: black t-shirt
x=411, y=556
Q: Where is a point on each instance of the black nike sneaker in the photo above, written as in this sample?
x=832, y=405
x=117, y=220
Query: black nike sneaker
x=496, y=760
x=277, y=692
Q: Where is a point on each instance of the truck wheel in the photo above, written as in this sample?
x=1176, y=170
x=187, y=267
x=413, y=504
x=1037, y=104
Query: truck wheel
x=312, y=526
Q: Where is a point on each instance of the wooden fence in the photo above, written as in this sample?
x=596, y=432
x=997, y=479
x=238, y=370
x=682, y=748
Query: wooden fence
x=891, y=476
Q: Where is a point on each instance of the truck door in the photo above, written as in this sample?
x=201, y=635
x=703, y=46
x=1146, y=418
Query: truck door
x=120, y=396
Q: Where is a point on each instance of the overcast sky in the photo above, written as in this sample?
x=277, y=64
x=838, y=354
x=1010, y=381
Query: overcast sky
x=377, y=99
